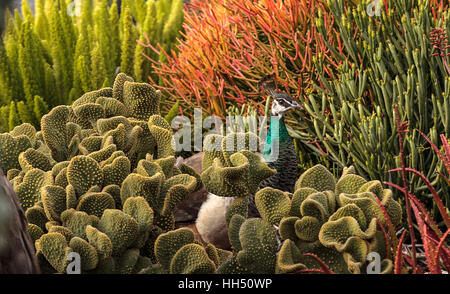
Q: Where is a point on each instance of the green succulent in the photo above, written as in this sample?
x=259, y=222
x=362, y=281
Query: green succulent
x=235, y=173
x=339, y=226
x=94, y=181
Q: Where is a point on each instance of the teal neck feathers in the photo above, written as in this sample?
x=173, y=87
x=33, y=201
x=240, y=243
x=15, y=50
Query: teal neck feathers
x=281, y=135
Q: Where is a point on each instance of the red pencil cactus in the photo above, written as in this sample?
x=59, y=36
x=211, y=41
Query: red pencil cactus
x=229, y=45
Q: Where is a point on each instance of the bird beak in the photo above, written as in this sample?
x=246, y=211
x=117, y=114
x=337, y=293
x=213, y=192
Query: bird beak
x=296, y=105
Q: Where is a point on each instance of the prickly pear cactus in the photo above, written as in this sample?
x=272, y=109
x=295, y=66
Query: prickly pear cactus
x=335, y=220
x=100, y=180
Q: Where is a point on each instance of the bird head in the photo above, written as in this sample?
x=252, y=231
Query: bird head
x=281, y=103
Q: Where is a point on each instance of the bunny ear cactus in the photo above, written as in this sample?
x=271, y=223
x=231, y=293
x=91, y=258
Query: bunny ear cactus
x=10, y=148
x=161, y=192
x=255, y=247
x=86, y=188
x=107, y=244
x=337, y=221
x=178, y=253
x=233, y=173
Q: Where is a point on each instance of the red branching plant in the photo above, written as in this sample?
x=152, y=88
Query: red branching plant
x=228, y=45
x=434, y=241
x=439, y=40
x=324, y=269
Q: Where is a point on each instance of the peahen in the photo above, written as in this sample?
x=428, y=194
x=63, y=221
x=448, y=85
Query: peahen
x=211, y=217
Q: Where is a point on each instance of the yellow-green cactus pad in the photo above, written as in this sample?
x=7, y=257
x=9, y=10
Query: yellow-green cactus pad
x=372, y=186
x=148, y=187
x=346, y=235
x=234, y=227
x=191, y=259
x=259, y=246
x=100, y=241
x=84, y=172
x=289, y=258
x=353, y=211
x=228, y=181
x=10, y=148
x=36, y=215
x=348, y=171
x=238, y=142
x=167, y=165
x=104, y=153
x=61, y=178
x=54, y=200
x=77, y=221
x=349, y=184
x=118, y=136
x=71, y=197
x=164, y=141
x=239, y=206
x=297, y=199
x=35, y=232
x=212, y=149
x=28, y=191
x=55, y=133
x=27, y=130
x=53, y=247
x=332, y=258
x=139, y=209
x=62, y=230
x=125, y=262
x=213, y=254
x=272, y=204
x=112, y=107
x=120, y=227
x=148, y=168
x=316, y=205
x=88, y=254
x=366, y=202
x=287, y=228
x=186, y=169
x=393, y=208
x=167, y=245
x=176, y=189
x=307, y=228
x=107, y=124
x=12, y=173
x=141, y=99
x=89, y=112
x=259, y=170
x=117, y=92
x=95, y=203
x=159, y=121
x=116, y=172
x=336, y=232
x=34, y=159
x=56, y=169
x=318, y=178
x=91, y=97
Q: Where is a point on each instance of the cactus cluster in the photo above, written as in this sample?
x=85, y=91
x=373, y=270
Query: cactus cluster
x=229, y=168
x=99, y=179
x=338, y=221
